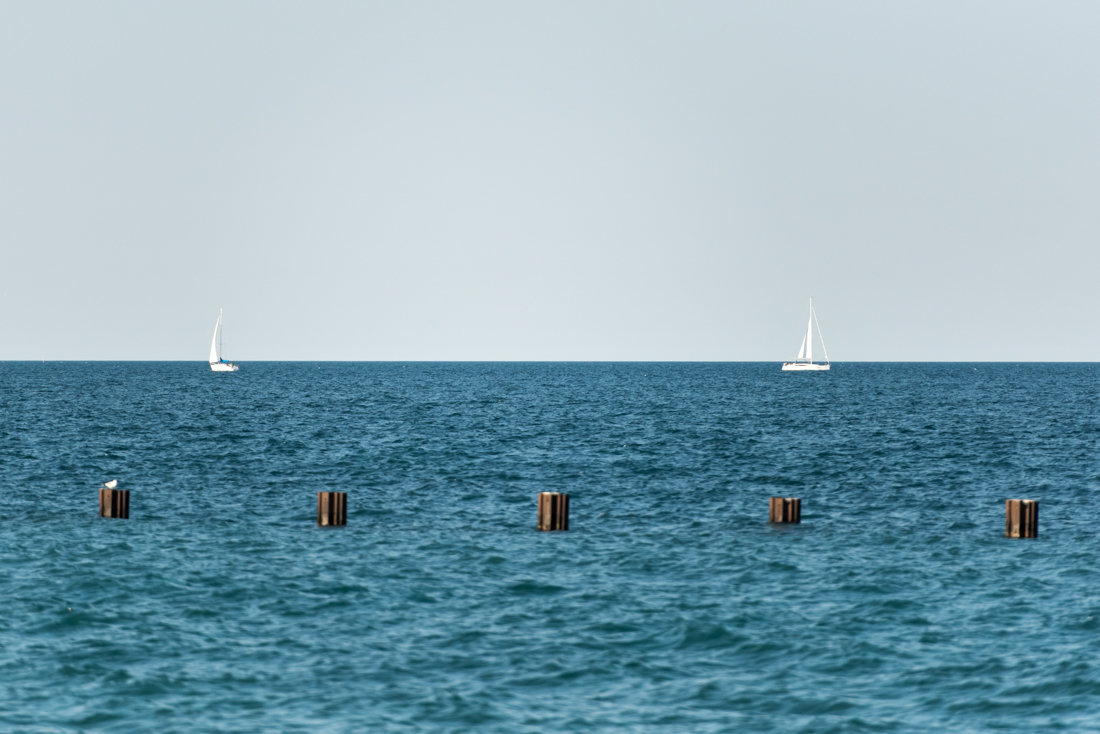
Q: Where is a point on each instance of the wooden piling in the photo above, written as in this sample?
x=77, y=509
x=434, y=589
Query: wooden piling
x=332, y=509
x=114, y=503
x=785, y=509
x=553, y=511
x=1022, y=518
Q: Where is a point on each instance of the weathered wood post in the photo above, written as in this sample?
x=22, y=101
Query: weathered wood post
x=553, y=511
x=1022, y=518
x=332, y=508
x=114, y=503
x=785, y=509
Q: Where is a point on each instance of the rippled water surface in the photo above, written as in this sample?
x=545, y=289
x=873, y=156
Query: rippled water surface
x=671, y=605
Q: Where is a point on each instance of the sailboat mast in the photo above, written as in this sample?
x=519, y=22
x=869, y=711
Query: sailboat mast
x=810, y=334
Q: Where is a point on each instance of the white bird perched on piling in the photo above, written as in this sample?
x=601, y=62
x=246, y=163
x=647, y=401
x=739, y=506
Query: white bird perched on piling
x=111, y=484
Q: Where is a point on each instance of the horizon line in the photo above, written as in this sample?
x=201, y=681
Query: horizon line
x=555, y=361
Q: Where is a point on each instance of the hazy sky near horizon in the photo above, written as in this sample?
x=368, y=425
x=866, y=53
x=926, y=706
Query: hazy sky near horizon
x=554, y=180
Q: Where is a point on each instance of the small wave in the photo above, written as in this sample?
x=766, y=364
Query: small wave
x=529, y=587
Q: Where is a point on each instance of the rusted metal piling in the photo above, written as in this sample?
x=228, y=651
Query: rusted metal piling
x=332, y=509
x=1022, y=518
x=785, y=509
x=114, y=503
x=553, y=511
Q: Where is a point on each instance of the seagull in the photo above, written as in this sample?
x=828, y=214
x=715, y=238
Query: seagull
x=111, y=484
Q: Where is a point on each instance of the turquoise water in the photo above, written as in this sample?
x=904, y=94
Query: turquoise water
x=671, y=605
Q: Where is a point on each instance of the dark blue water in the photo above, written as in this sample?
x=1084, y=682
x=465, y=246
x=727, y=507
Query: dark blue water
x=671, y=605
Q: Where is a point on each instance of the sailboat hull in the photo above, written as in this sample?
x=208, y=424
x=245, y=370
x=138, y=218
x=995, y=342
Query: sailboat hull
x=223, y=367
x=803, y=367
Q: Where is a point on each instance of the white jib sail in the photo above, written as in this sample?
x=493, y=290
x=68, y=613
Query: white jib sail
x=802, y=349
x=214, y=341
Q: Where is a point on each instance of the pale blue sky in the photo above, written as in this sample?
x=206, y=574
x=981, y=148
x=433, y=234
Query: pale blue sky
x=554, y=180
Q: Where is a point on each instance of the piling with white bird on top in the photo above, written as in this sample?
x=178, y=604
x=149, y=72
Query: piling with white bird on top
x=114, y=502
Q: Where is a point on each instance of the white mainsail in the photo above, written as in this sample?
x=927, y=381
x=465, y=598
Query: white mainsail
x=810, y=334
x=214, y=342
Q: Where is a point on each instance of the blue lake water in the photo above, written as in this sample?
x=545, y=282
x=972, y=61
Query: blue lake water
x=671, y=605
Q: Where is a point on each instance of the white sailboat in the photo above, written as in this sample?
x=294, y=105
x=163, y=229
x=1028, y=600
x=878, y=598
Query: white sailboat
x=805, y=359
x=217, y=364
